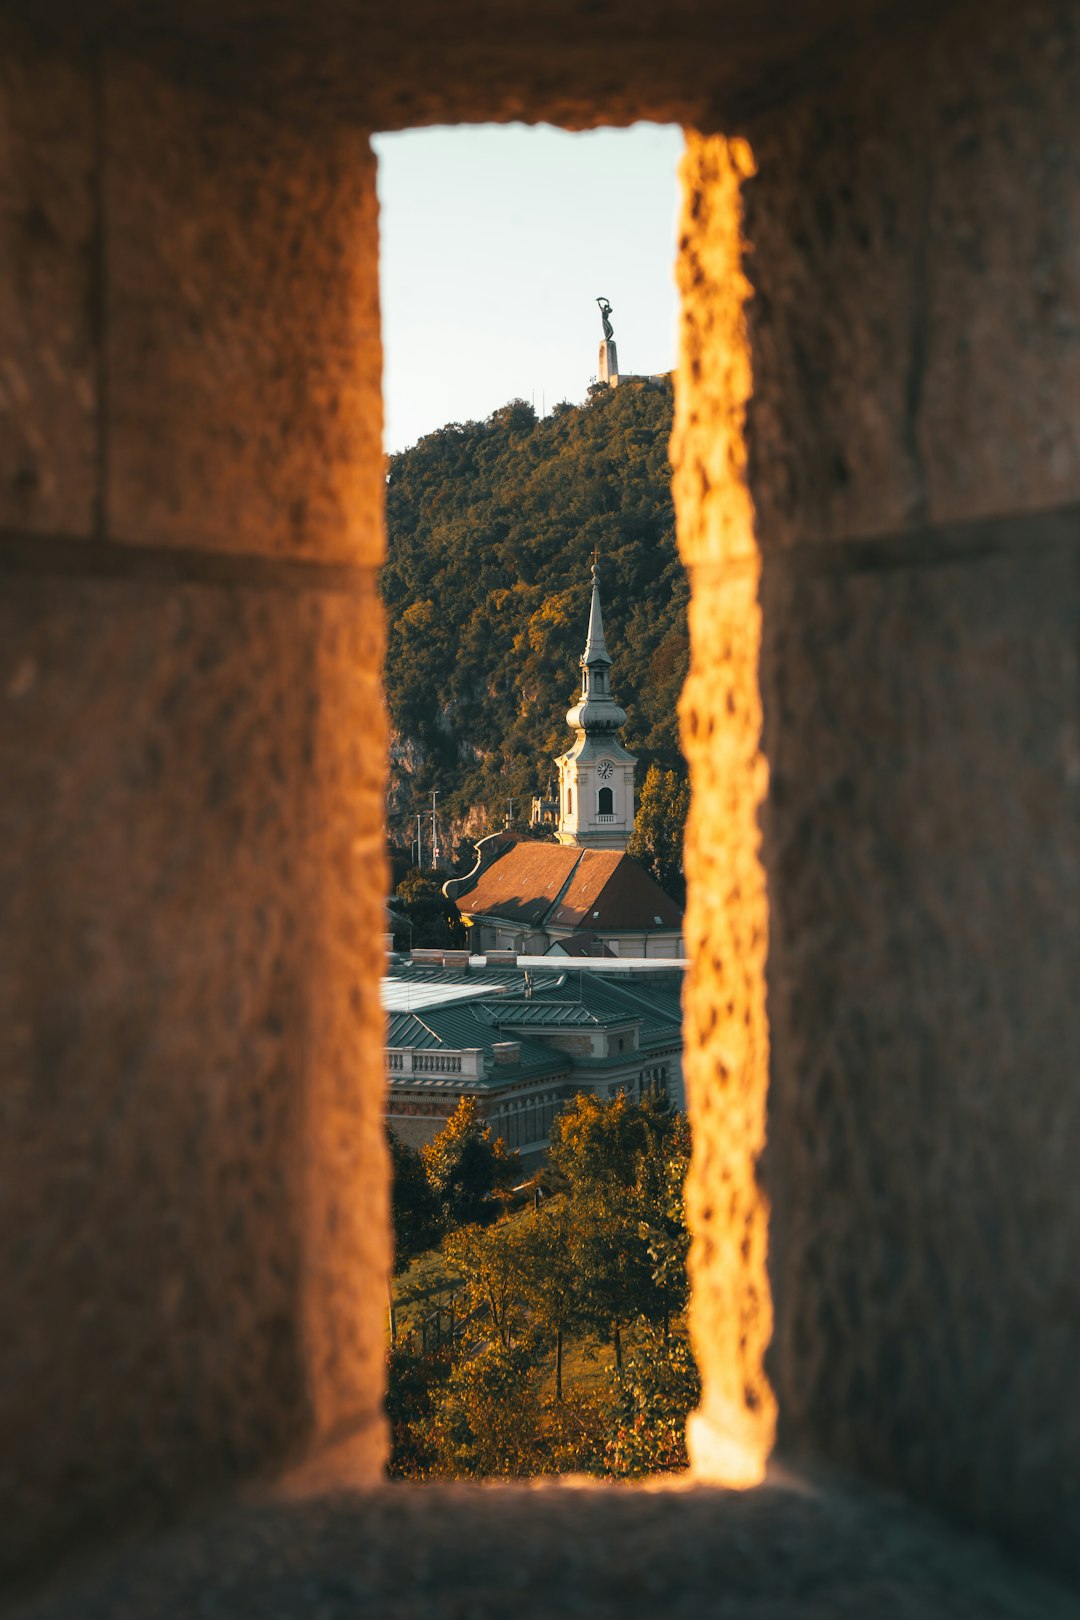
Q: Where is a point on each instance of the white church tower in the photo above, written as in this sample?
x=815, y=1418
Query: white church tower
x=596, y=775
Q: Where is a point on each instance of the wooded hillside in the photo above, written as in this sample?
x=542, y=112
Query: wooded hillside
x=492, y=527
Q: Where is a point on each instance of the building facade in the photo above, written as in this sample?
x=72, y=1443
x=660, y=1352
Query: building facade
x=522, y=1043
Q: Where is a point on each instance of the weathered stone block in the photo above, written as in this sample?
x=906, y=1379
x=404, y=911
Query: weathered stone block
x=921, y=841
x=244, y=356
x=48, y=282
x=193, y=1184
x=913, y=245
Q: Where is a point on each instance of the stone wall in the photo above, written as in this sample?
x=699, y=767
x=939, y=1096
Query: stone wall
x=922, y=703
x=190, y=825
x=913, y=331
x=875, y=481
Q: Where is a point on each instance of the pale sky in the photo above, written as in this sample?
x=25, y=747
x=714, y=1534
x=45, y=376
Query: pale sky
x=497, y=241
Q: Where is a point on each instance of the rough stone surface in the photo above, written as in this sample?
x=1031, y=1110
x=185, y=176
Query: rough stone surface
x=922, y=844
x=913, y=906
x=192, y=1183
x=913, y=244
x=243, y=350
x=914, y=338
x=428, y=61
x=48, y=275
x=714, y=382
x=725, y=1062
x=194, y=1238
x=795, y=1551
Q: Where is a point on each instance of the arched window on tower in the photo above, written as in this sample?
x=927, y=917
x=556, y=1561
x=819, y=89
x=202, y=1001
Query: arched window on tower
x=606, y=806
x=569, y=801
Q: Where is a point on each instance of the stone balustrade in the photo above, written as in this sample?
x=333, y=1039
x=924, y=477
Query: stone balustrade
x=466, y=1065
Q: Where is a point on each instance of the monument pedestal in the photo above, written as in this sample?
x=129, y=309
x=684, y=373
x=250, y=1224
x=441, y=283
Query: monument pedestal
x=608, y=367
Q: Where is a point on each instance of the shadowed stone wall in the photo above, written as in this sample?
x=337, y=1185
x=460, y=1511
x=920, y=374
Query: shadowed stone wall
x=913, y=439
x=191, y=753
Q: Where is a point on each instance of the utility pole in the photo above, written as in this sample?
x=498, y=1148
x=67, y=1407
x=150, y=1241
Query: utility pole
x=434, y=843
x=510, y=807
x=419, y=847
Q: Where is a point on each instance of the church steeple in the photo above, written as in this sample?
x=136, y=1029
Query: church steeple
x=596, y=712
x=596, y=775
x=595, y=648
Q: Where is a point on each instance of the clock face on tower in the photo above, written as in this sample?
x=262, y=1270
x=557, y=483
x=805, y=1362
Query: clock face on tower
x=604, y=770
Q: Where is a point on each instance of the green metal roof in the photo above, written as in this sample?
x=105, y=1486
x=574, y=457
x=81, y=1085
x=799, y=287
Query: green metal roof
x=547, y=1011
x=461, y=1029
x=496, y=1006
x=612, y=1000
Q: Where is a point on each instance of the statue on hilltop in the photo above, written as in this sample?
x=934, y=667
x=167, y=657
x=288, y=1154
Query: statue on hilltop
x=605, y=312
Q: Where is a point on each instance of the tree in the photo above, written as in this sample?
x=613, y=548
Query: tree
x=464, y=1166
x=548, y=1280
x=661, y=1216
x=412, y=1383
x=485, y=1420
x=596, y=1147
x=625, y=1164
x=612, y=1264
x=604, y=1257
x=414, y=1209
x=432, y=919
x=595, y=1143
x=489, y=1262
x=659, y=828
x=655, y=1393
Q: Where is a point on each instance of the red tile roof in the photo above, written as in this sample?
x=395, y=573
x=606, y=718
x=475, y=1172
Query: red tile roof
x=611, y=892
x=561, y=886
x=521, y=885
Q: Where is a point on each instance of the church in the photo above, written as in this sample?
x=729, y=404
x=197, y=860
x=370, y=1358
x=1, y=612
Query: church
x=582, y=895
